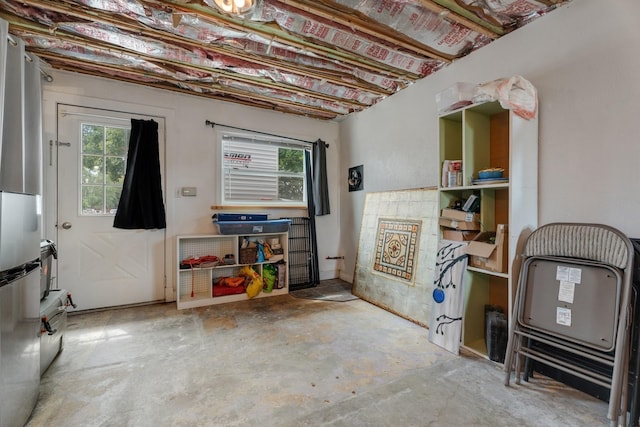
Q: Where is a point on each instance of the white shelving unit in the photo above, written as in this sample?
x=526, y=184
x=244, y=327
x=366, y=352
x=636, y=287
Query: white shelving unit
x=483, y=136
x=195, y=285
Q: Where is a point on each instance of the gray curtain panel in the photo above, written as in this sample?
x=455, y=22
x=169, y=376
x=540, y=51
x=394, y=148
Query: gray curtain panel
x=320, y=187
x=315, y=269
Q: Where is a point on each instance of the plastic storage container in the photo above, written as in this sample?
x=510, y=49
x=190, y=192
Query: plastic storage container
x=253, y=227
x=240, y=217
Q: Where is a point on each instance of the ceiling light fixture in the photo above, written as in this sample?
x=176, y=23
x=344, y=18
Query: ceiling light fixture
x=235, y=7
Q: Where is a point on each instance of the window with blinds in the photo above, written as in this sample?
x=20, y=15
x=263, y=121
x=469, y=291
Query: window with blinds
x=262, y=172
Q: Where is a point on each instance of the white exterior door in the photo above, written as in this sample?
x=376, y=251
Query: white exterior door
x=102, y=266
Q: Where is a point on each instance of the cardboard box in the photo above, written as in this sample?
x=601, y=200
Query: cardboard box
x=458, y=235
x=459, y=220
x=460, y=215
x=489, y=256
x=459, y=225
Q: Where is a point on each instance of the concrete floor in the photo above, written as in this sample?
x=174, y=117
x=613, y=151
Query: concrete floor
x=283, y=361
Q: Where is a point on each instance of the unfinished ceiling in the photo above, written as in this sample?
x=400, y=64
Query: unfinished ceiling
x=317, y=58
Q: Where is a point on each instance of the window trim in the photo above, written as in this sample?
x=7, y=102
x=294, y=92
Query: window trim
x=257, y=138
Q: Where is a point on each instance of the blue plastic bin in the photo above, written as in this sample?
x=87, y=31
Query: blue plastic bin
x=253, y=227
x=241, y=217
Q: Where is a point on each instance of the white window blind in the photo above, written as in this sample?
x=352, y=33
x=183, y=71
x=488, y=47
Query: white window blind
x=262, y=171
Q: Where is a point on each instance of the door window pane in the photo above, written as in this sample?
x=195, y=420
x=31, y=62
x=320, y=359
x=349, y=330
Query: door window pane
x=112, y=195
x=92, y=169
x=92, y=199
x=92, y=139
x=117, y=141
x=115, y=168
x=104, y=162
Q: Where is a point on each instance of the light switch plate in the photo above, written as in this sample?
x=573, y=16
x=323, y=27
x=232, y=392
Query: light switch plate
x=188, y=191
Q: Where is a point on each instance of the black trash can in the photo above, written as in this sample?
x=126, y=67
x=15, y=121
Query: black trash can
x=48, y=253
x=496, y=331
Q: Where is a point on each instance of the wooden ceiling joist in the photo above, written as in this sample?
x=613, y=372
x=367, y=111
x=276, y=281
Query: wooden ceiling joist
x=135, y=27
x=254, y=100
x=357, y=58
x=453, y=11
x=281, y=36
x=377, y=31
x=253, y=81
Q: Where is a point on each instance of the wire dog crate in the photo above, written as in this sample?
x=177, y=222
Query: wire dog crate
x=300, y=273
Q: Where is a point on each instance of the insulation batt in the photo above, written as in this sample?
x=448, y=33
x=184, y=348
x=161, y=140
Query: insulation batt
x=507, y=13
x=420, y=24
x=346, y=38
x=200, y=29
x=201, y=58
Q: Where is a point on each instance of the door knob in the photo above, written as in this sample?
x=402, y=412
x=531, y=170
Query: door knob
x=66, y=225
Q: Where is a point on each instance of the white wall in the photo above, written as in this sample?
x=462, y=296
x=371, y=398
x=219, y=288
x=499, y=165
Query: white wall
x=583, y=60
x=191, y=150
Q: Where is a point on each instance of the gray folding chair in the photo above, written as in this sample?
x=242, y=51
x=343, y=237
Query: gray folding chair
x=574, y=297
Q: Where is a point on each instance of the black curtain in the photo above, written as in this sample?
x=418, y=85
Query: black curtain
x=320, y=187
x=141, y=205
x=315, y=270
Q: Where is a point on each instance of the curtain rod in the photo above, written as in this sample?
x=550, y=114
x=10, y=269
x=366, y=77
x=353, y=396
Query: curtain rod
x=64, y=113
x=212, y=124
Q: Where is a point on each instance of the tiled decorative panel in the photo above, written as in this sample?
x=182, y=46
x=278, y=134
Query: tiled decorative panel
x=397, y=252
x=396, y=248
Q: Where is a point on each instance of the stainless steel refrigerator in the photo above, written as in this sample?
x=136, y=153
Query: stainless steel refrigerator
x=20, y=211
x=19, y=307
